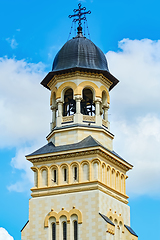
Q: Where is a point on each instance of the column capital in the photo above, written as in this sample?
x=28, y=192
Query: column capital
x=78, y=97
x=97, y=99
x=59, y=101
x=105, y=106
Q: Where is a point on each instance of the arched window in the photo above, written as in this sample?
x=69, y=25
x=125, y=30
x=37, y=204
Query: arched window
x=69, y=106
x=87, y=105
x=54, y=176
x=75, y=174
x=103, y=173
x=53, y=231
x=122, y=183
x=113, y=178
x=64, y=231
x=117, y=181
x=75, y=230
x=65, y=174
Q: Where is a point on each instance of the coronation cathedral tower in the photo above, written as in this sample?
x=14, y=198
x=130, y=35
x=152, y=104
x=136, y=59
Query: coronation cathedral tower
x=79, y=188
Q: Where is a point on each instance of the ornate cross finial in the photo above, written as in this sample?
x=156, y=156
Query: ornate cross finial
x=79, y=15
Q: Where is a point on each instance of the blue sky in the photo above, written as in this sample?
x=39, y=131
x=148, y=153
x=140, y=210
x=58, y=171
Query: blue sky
x=31, y=33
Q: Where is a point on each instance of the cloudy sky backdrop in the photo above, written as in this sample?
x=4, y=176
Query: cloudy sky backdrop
x=31, y=34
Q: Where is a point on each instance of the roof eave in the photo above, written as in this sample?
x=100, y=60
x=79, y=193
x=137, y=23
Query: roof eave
x=109, y=153
x=107, y=74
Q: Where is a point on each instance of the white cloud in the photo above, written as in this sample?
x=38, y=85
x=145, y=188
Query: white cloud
x=12, y=41
x=4, y=235
x=25, y=113
x=139, y=144
x=135, y=111
x=24, y=103
x=19, y=162
x=137, y=66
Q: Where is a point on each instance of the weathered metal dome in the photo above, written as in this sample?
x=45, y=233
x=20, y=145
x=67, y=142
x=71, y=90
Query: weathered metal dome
x=82, y=53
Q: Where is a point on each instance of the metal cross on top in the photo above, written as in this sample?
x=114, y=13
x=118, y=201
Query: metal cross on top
x=79, y=14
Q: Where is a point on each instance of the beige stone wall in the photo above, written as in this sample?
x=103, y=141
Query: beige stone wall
x=70, y=136
x=107, y=202
x=90, y=203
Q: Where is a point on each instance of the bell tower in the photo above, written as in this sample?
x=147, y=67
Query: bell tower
x=79, y=188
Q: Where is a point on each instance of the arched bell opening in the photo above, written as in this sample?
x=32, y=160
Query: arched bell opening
x=69, y=106
x=87, y=104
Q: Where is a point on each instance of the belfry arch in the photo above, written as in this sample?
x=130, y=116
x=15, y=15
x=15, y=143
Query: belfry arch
x=87, y=103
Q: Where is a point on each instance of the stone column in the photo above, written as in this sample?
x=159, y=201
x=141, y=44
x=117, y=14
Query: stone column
x=97, y=115
x=53, y=123
x=78, y=117
x=57, y=230
x=97, y=103
x=53, y=108
x=60, y=108
x=78, y=104
x=105, y=108
x=68, y=229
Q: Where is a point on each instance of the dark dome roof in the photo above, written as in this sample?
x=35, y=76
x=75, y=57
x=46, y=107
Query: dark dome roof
x=82, y=53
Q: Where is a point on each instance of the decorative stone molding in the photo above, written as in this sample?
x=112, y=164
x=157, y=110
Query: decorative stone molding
x=110, y=229
x=63, y=87
x=80, y=153
x=117, y=190
x=114, y=217
x=63, y=213
x=77, y=74
x=67, y=119
x=79, y=187
x=87, y=118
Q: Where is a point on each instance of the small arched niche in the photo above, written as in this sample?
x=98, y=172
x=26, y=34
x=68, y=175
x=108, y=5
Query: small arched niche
x=95, y=170
x=44, y=177
x=87, y=104
x=69, y=105
x=35, y=178
x=85, y=170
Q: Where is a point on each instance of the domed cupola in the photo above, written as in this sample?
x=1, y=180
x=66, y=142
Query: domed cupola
x=80, y=52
